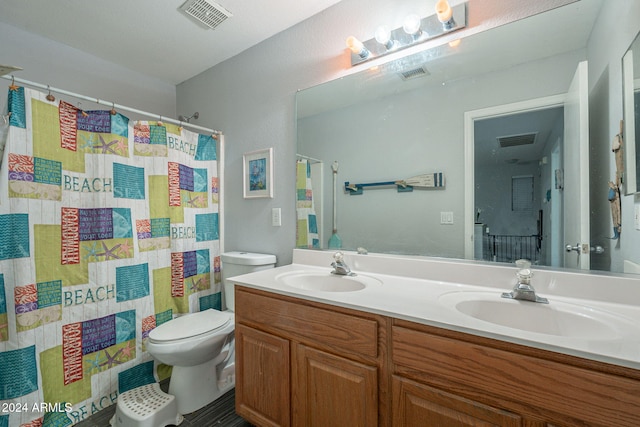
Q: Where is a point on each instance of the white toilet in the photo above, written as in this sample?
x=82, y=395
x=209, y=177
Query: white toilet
x=200, y=346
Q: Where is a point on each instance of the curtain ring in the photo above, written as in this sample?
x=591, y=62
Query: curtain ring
x=50, y=97
x=13, y=86
x=81, y=110
x=113, y=109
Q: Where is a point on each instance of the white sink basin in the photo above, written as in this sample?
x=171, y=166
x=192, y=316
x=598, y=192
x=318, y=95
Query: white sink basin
x=326, y=282
x=556, y=318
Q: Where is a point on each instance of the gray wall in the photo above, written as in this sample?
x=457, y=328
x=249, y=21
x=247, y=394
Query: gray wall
x=50, y=63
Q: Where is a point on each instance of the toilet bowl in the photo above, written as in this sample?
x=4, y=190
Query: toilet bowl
x=200, y=347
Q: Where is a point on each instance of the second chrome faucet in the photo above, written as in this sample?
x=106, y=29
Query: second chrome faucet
x=523, y=289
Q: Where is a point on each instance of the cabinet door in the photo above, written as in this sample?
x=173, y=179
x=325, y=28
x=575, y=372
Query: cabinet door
x=263, y=377
x=416, y=404
x=331, y=391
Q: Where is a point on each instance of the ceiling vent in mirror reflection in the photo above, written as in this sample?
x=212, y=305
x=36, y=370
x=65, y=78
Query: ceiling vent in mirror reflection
x=414, y=73
x=205, y=12
x=516, y=140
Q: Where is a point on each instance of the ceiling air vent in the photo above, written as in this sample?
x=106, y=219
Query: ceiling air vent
x=516, y=140
x=205, y=12
x=414, y=73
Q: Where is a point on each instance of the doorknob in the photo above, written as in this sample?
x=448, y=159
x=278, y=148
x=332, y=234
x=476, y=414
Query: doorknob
x=579, y=248
x=575, y=248
x=597, y=249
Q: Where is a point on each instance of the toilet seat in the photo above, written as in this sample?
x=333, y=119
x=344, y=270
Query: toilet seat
x=190, y=325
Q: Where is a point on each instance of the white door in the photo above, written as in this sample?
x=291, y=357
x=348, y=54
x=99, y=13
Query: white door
x=576, y=171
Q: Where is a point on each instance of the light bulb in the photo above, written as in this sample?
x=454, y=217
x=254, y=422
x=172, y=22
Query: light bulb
x=383, y=36
x=357, y=47
x=445, y=14
x=411, y=25
x=443, y=10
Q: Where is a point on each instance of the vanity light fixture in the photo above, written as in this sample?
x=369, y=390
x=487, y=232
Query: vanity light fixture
x=413, y=31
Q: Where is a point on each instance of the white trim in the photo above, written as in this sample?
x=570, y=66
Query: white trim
x=629, y=180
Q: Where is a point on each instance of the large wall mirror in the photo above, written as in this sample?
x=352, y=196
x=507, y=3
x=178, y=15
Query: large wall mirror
x=631, y=100
x=490, y=119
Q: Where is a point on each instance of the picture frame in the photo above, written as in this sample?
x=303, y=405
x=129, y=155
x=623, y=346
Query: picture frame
x=257, y=173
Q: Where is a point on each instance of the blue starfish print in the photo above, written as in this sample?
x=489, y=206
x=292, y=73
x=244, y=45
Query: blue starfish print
x=109, y=253
x=95, y=363
x=105, y=146
x=111, y=360
x=91, y=251
x=88, y=142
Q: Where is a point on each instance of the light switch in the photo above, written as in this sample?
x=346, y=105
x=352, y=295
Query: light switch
x=446, y=218
x=276, y=219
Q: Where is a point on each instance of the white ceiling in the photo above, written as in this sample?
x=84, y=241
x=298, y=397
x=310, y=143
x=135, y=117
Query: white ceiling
x=152, y=36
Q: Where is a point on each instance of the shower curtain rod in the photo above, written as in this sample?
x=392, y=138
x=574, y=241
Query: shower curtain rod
x=110, y=104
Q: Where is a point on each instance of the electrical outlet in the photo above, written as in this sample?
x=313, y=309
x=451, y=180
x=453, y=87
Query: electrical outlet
x=637, y=216
x=276, y=218
x=446, y=218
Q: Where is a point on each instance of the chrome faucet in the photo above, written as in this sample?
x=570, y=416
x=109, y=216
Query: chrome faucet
x=523, y=290
x=340, y=268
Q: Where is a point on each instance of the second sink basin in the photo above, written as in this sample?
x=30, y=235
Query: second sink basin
x=326, y=282
x=556, y=318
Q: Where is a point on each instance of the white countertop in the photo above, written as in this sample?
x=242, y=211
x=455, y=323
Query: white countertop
x=414, y=289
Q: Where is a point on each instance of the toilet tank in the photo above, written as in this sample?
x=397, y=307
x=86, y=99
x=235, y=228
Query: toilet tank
x=237, y=263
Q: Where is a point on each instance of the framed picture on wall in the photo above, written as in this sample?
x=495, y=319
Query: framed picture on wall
x=257, y=172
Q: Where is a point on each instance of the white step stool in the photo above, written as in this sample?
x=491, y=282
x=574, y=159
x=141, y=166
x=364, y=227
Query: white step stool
x=146, y=406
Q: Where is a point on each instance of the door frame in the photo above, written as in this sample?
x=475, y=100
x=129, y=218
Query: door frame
x=469, y=161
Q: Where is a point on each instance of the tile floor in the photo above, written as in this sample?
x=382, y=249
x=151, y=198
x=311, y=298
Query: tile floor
x=220, y=413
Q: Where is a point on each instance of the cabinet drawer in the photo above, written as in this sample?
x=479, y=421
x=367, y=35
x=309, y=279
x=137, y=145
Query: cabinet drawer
x=564, y=393
x=340, y=331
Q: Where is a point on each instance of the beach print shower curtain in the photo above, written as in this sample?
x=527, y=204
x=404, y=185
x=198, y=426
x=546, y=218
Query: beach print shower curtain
x=108, y=228
x=306, y=225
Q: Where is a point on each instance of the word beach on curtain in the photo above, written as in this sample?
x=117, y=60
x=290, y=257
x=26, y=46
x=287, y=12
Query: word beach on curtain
x=108, y=228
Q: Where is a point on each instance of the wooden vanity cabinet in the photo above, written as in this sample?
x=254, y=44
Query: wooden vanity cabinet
x=304, y=364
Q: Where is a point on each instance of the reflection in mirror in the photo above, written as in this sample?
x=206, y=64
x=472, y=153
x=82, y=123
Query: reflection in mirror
x=631, y=100
x=518, y=201
x=407, y=118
